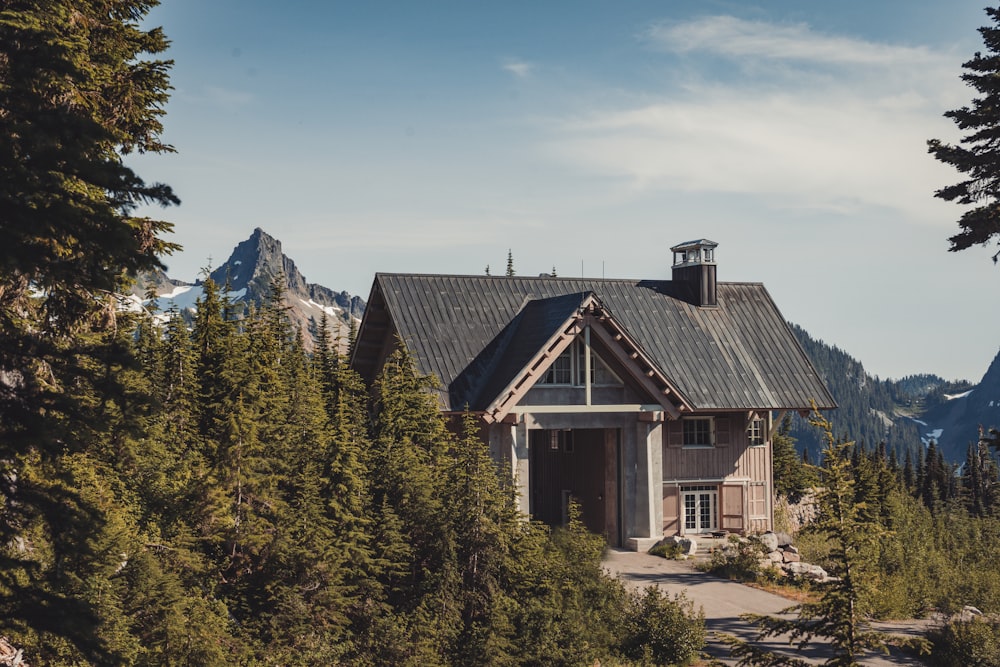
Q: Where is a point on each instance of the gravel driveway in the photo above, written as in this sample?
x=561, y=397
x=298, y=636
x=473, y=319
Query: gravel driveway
x=723, y=601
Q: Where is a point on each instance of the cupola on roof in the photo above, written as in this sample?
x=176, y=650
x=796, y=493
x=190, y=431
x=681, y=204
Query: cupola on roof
x=701, y=251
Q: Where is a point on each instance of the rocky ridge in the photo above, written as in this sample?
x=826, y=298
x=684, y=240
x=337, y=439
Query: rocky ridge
x=247, y=277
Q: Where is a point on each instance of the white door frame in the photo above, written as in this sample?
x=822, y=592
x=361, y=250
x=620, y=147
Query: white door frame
x=701, y=514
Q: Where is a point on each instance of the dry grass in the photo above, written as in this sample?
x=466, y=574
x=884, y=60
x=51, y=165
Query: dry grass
x=795, y=594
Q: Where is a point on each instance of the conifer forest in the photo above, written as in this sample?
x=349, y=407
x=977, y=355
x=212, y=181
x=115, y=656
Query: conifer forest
x=217, y=492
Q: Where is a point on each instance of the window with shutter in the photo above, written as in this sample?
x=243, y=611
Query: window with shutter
x=697, y=432
x=722, y=434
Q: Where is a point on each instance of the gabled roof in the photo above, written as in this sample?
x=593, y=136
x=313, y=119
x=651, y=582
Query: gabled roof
x=476, y=333
x=539, y=333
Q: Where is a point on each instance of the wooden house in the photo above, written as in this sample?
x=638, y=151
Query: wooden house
x=651, y=402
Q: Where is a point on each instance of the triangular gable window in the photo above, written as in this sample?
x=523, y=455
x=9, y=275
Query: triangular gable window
x=569, y=368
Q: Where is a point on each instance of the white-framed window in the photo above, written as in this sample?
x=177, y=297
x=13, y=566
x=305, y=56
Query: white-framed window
x=757, y=432
x=698, y=432
x=569, y=368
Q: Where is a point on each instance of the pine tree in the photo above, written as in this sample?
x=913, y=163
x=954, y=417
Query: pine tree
x=510, y=264
x=792, y=476
x=841, y=614
x=79, y=92
x=326, y=361
x=909, y=474
x=485, y=522
x=977, y=157
x=979, y=479
x=409, y=459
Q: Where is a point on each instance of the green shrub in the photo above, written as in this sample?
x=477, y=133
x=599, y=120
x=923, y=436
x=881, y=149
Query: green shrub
x=966, y=643
x=661, y=630
x=667, y=550
x=815, y=548
x=739, y=560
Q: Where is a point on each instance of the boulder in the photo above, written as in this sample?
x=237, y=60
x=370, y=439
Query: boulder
x=790, y=557
x=807, y=571
x=769, y=540
x=688, y=546
x=784, y=539
x=774, y=557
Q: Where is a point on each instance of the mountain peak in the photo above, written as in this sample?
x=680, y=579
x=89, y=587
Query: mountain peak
x=255, y=263
x=247, y=276
x=257, y=260
x=261, y=238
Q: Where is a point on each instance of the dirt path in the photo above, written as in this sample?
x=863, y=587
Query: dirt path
x=723, y=601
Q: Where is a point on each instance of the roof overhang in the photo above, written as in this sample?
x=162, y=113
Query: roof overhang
x=613, y=336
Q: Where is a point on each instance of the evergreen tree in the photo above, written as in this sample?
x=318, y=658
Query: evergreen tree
x=979, y=479
x=841, y=614
x=909, y=474
x=510, y=264
x=326, y=361
x=485, y=522
x=570, y=612
x=409, y=458
x=977, y=157
x=79, y=92
x=792, y=476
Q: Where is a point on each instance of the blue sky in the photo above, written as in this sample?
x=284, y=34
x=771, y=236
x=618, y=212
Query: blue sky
x=591, y=136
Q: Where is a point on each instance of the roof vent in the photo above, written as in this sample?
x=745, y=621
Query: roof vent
x=694, y=269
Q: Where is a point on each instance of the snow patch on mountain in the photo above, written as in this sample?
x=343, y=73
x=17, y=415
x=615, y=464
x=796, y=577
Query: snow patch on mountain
x=934, y=435
x=332, y=311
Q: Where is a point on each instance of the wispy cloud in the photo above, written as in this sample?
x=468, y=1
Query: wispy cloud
x=738, y=38
x=849, y=139
x=519, y=68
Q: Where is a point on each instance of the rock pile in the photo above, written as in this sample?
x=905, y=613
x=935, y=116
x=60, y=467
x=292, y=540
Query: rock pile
x=784, y=556
x=779, y=553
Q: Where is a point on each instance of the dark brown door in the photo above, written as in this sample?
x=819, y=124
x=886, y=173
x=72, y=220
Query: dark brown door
x=572, y=464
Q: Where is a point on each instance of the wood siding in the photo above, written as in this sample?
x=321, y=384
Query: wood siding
x=731, y=459
x=732, y=464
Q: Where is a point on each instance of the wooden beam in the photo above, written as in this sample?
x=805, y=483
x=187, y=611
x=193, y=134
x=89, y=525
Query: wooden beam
x=645, y=380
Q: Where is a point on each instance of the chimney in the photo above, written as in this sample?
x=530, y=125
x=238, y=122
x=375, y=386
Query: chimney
x=694, y=269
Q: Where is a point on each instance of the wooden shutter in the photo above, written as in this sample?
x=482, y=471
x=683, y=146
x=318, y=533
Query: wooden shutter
x=758, y=500
x=722, y=434
x=675, y=433
x=732, y=508
x=671, y=509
